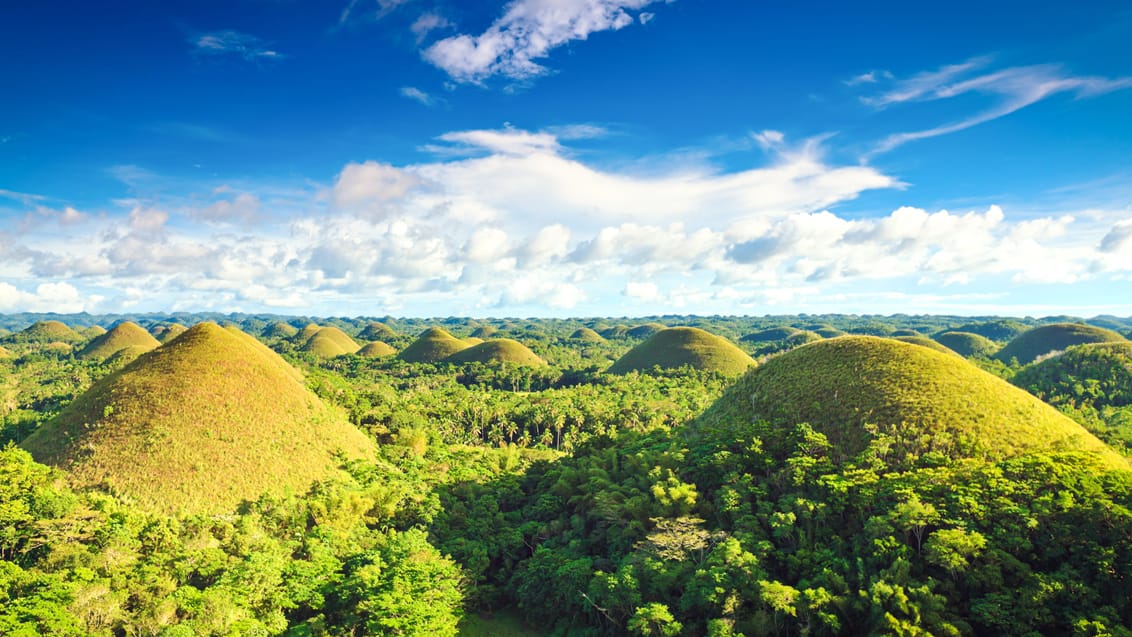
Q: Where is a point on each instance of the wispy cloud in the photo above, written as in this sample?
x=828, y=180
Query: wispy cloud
x=22, y=197
x=417, y=95
x=1014, y=89
x=872, y=77
x=427, y=23
x=527, y=31
x=228, y=42
x=384, y=8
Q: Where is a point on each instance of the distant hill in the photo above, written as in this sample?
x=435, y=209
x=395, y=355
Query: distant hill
x=329, y=342
x=679, y=346
x=1000, y=331
x=44, y=332
x=967, y=344
x=1094, y=375
x=924, y=341
x=377, y=349
x=856, y=387
x=770, y=334
x=484, y=331
x=1032, y=344
x=198, y=425
x=644, y=330
x=615, y=332
x=166, y=333
x=587, y=335
x=93, y=331
x=375, y=331
x=120, y=337
x=302, y=336
x=500, y=350
x=279, y=329
x=433, y=345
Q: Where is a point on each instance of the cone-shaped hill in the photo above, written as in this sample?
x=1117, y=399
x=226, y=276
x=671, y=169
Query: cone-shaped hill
x=587, y=335
x=377, y=332
x=433, y=345
x=1033, y=344
x=923, y=400
x=679, y=346
x=967, y=344
x=45, y=332
x=496, y=351
x=279, y=329
x=484, y=331
x=198, y=425
x=377, y=349
x=1095, y=375
x=166, y=333
x=329, y=342
x=305, y=334
x=120, y=337
x=94, y=331
x=924, y=341
x=645, y=330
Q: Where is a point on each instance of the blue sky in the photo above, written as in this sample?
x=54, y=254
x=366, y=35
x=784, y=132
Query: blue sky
x=566, y=157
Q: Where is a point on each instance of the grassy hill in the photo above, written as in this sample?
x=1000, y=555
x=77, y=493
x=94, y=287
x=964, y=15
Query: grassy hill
x=1032, y=344
x=375, y=331
x=644, y=330
x=615, y=332
x=925, y=401
x=484, y=331
x=587, y=335
x=198, y=425
x=120, y=337
x=433, y=345
x=967, y=344
x=1095, y=374
x=377, y=349
x=305, y=334
x=279, y=329
x=1000, y=331
x=827, y=331
x=94, y=331
x=5, y=353
x=679, y=346
x=44, y=332
x=166, y=333
x=770, y=334
x=500, y=350
x=329, y=342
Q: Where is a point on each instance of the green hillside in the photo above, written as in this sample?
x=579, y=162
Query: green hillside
x=5, y=353
x=484, y=331
x=198, y=425
x=586, y=335
x=305, y=334
x=924, y=401
x=1040, y=341
x=94, y=331
x=615, y=332
x=496, y=351
x=377, y=349
x=433, y=345
x=967, y=344
x=1094, y=375
x=329, y=342
x=678, y=346
x=126, y=355
x=375, y=331
x=121, y=336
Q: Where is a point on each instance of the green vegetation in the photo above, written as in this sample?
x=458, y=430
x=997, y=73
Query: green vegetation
x=863, y=393
x=200, y=424
x=279, y=329
x=166, y=333
x=122, y=336
x=680, y=346
x=854, y=486
x=645, y=330
x=433, y=345
x=967, y=345
x=484, y=331
x=92, y=331
x=498, y=351
x=5, y=352
x=770, y=334
x=377, y=349
x=1041, y=341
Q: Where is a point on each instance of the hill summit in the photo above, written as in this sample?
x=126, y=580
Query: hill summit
x=433, y=345
x=198, y=425
x=678, y=346
x=855, y=388
x=121, y=336
x=499, y=350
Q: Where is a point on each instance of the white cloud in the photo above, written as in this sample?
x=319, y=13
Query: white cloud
x=1015, y=88
x=427, y=23
x=243, y=208
x=148, y=220
x=527, y=31
x=47, y=297
x=641, y=290
x=417, y=95
x=371, y=184
x=229, y=42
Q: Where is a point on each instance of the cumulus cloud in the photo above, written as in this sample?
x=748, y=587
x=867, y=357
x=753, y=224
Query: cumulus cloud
x=47, y=297
x=372, y=186
x=243, y=208
x=527, y=31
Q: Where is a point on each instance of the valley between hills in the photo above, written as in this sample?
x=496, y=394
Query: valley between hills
x=202, y=474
